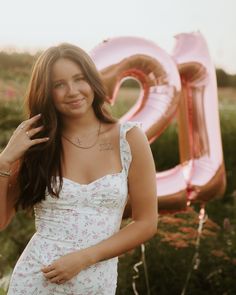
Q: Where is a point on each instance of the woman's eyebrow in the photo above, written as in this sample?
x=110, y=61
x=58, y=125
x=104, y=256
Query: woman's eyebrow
x=74, y=76
x=78, y=75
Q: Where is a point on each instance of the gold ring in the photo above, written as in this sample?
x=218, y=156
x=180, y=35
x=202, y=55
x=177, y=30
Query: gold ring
x=22, y=125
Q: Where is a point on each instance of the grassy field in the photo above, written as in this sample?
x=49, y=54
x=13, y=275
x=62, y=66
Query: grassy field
x=169, y=255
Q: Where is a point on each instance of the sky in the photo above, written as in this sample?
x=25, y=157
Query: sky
x=32, y=24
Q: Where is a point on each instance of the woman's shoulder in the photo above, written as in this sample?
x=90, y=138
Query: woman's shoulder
x=110, y=128
x=132, y=131
x=135, y=136
x=123, y=126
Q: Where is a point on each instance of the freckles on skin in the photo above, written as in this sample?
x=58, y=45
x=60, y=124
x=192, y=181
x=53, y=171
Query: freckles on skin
x=71, y=92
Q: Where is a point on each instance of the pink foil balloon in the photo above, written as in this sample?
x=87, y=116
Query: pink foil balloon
x=161, y=96
x=155, y=70
x=199, y=126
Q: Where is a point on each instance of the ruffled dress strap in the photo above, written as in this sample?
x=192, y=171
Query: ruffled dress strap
x=126, y=156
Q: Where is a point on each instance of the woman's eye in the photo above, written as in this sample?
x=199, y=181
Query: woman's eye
x=79, y=79
x=59, y=85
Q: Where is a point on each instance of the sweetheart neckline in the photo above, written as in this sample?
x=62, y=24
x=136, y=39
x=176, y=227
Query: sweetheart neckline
x=94, y=181
x=106, y=175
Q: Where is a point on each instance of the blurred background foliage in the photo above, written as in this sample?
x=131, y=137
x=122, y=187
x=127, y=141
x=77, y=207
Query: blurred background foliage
x=169, y=255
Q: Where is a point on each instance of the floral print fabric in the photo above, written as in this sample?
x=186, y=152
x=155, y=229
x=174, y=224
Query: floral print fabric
x=82, y=216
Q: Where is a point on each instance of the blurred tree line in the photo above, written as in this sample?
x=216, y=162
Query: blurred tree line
x=16, y=65
x=21, y=63
x=224, y=79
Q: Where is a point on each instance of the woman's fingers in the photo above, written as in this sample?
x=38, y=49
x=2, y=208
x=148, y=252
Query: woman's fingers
x=39, y=140
x=50, y=274
x=31, y=132
x=57, y=279
x=25, y=125
x=54, y=277
x=33, y=119
x=21, y=140
x=34, y=131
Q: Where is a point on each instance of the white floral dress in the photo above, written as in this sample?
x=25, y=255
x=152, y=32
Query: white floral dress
x=82, y=216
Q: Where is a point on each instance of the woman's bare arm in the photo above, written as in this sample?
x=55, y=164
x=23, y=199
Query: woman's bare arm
x=143, y=197
x=9, y=192
x=18, y=144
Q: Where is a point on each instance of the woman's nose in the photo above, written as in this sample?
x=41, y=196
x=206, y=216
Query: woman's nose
x=73, y=89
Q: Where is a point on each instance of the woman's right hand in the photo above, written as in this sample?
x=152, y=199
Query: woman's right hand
x=21, y=141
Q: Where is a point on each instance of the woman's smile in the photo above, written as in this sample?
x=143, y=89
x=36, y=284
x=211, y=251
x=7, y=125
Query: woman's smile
x=76, y=103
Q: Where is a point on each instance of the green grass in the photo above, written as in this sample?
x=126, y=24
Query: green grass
x=169, y=254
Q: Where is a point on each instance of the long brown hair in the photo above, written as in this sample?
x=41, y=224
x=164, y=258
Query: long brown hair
x=42, y=162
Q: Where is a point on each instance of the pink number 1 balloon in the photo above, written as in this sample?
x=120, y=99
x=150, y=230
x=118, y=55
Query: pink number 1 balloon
x=199, y=126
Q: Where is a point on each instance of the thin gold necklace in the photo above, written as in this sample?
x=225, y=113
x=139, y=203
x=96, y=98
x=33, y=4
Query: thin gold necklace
x=85, y=147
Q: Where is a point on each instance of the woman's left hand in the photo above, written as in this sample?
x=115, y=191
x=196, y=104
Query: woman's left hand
x=64, y=268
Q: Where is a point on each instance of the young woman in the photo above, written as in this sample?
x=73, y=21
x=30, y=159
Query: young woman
x=75, y=166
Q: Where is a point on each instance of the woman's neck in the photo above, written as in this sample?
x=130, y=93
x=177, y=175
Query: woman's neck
x=80, y=125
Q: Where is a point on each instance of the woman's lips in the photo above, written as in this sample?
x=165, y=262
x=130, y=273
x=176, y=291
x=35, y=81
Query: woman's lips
x=76, y=102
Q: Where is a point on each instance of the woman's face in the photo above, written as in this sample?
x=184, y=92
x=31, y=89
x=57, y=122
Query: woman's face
x=72, y=95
